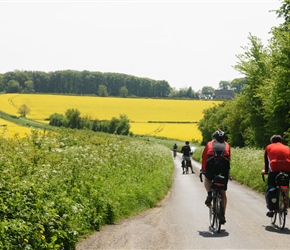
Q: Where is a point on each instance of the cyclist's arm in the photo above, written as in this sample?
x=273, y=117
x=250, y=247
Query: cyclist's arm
x=266, y=162
x=204, y=158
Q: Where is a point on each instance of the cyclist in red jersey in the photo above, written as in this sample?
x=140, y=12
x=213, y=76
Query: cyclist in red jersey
x=277, y=159
x=216, y=160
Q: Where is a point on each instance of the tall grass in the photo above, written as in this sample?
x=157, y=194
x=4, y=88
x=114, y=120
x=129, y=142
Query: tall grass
x=246, y=165
x=56, y=187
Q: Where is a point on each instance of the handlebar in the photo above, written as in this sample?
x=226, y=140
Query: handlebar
x=200, y=176
x=263, y=177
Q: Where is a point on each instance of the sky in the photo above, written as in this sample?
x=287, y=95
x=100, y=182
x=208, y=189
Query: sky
x=186, y=43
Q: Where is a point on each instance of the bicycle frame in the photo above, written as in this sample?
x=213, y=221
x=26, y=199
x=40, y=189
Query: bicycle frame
x=216, y=209
x=282, y=210
x=283, y=203
x=186, y=165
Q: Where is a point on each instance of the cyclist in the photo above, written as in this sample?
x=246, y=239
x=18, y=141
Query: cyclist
x=276, y=159
x=216, y=160
x=186, y=150
x=174, y=150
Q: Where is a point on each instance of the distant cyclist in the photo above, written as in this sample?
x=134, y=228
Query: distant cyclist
x=186, y=157
x=216, y=160
x=174, y=150
x=276, y=159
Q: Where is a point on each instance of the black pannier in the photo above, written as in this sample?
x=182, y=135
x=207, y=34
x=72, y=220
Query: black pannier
x=272, y=196
x=282, y=179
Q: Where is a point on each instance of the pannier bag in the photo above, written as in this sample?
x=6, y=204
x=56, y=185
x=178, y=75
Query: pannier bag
x=218, y=182
x=282, y=179
x=272, y=195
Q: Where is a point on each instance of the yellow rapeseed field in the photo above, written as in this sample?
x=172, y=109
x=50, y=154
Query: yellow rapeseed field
x=9, y=129
x=167, y=115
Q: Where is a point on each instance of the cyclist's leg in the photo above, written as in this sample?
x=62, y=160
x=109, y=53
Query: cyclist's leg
x=183, y=164
x=189, y=163
x=224, y=196
x=225, y=172
x=209, y=176
x=207, y=184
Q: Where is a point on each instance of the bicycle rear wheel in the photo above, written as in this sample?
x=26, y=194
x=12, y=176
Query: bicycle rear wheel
x=282, y=212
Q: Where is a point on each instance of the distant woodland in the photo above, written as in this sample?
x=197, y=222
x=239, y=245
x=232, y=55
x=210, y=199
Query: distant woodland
x=102, y=84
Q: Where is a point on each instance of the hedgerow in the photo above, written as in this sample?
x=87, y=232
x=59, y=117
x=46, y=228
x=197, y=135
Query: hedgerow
x=57, y=187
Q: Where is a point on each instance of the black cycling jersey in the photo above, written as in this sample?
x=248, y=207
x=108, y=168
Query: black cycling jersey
x=186, y=150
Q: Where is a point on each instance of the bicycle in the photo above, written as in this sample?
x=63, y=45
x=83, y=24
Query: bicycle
x=282, y=198
x=174, y=153
x=216, y=209
x=186, y=163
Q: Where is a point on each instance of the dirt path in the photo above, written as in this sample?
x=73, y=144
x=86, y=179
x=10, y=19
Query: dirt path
x=180, y=221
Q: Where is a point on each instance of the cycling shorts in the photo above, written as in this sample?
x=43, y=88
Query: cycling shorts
x=212, y=171
x=186, y=158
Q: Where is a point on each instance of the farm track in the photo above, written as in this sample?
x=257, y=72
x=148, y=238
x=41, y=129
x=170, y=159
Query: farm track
x=10, y=100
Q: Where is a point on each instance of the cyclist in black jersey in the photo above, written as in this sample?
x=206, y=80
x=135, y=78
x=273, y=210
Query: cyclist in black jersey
x=186, y=151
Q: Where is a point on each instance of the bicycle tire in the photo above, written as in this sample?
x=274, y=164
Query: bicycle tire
x=211, y=215
x=215, y=212
x=218, y=213
x=273, y=219
x=282, y=212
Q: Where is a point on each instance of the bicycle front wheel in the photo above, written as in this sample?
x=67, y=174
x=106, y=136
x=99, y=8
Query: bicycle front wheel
x=211, y=216
x=273, y=219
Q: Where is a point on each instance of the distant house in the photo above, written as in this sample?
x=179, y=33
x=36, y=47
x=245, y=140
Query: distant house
x=223, y=94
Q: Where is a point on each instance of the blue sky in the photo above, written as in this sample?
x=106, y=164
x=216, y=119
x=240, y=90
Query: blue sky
x=187, y=43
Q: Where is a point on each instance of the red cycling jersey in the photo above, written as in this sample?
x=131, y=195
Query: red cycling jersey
x=209, y=151
x=277, y=157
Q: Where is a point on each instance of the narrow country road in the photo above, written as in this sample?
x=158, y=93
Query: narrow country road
x=180, y=221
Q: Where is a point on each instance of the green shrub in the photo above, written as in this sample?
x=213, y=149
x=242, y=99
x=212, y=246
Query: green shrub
x=56, y=187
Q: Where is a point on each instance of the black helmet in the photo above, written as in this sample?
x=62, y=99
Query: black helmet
x=218, y=134
x=187, y=142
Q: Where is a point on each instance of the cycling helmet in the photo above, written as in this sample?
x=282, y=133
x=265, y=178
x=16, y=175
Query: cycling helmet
x=276, y=138
x=187, y=142
x=218, y=134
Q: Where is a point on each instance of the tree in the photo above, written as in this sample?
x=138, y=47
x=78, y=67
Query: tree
x=58, y=120
x=213, y=119
x=123, y=91
x=224, y=85
x=238, y=84
x=123, y=127
x=278, y=101
x=13, y=86
x=23, y=110
x=255, y=64
x=207, y=92
x=74, y=118
x=29, y=88
x=102, y=90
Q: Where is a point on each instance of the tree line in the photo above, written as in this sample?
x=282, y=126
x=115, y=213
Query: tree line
x=73, y=119
x=102, y=84
x=263, y=106
x=82, y=83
